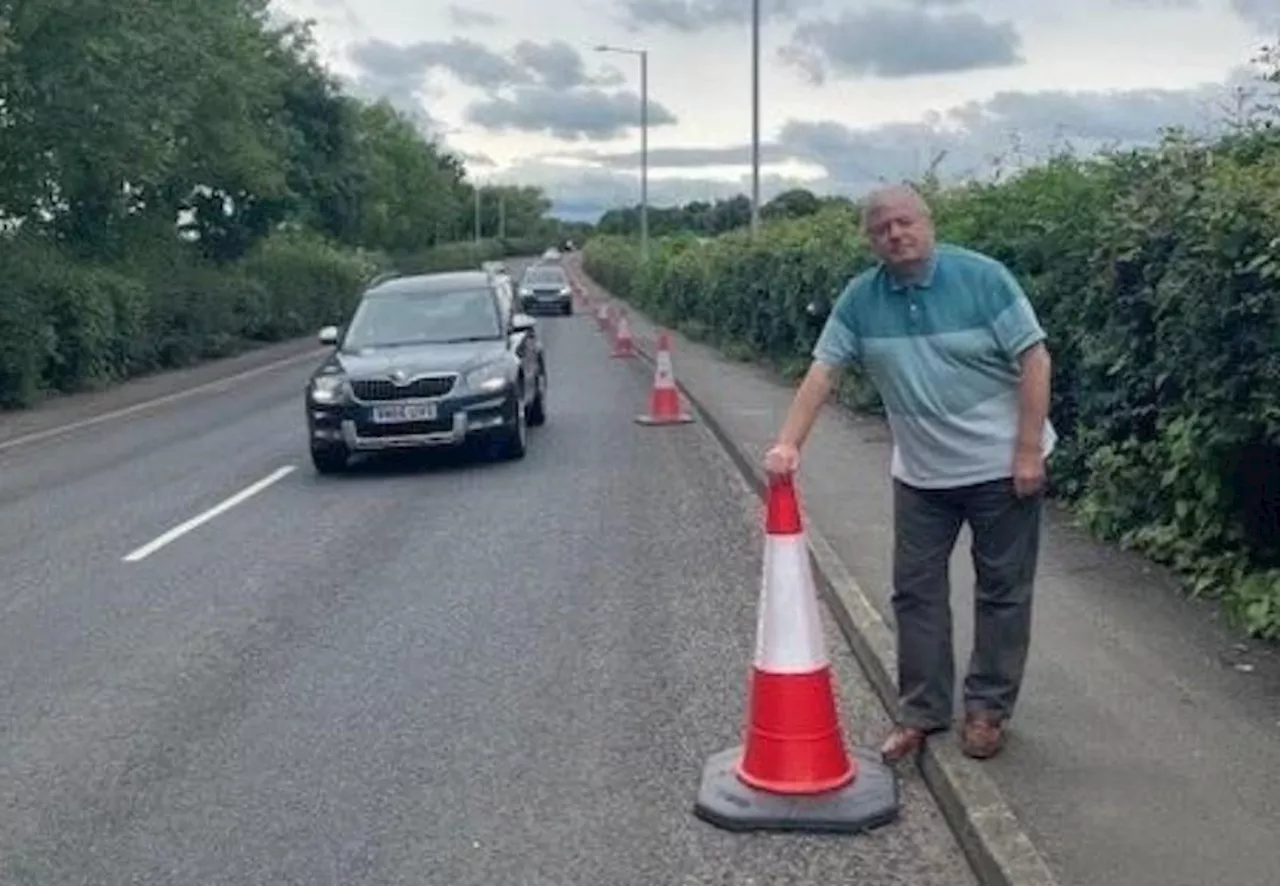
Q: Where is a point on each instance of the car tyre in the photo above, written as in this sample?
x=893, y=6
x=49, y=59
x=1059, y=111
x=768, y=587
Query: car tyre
x=515, y=442
x=567, y=310
x=329, y=459
x=538, y=408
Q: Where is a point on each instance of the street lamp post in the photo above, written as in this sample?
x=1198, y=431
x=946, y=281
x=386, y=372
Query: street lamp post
x=644, y=141
x=755, y=117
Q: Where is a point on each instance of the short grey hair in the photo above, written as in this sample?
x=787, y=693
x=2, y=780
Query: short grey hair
x=881, y=197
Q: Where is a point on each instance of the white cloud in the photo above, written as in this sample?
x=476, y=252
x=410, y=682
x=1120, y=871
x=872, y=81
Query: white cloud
x=894, y=43
x=519, y=84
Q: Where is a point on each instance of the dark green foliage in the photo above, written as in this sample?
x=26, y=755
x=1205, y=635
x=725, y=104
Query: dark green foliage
x=1157, y=275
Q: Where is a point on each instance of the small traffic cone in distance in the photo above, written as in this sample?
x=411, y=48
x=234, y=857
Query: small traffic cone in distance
x=602, y=316
x=623, y=344
x=793, y=772
x=664, y=399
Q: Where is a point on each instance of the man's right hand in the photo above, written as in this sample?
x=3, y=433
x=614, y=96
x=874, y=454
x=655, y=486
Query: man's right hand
x=782, y=458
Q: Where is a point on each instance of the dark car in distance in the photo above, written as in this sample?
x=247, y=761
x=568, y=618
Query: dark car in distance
x=427, y=361
x=546, y=287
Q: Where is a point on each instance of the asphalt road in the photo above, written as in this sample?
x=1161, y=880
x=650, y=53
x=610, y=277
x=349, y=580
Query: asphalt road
x=432, y=671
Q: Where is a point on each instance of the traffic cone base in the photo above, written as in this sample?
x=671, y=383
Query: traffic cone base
x=680, y=418
x=870, y=801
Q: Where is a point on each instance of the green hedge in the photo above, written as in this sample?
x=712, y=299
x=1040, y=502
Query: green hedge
x=1156, y=274
x=70, y=325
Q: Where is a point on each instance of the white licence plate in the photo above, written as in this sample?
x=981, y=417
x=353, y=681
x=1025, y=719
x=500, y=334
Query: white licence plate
x=404, y=412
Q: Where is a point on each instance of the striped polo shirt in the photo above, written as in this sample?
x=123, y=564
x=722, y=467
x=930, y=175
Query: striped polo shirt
x=943, y=354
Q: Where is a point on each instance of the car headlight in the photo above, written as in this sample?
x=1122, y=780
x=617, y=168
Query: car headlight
x=525, y=292
x=487, y=378
x=565, y=290
x=328, y=389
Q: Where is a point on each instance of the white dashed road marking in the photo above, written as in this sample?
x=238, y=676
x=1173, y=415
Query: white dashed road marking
x=200, y=519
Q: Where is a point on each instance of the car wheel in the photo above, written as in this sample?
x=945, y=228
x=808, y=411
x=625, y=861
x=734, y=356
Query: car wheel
x=515, y=442
x=329, y=459
x=567, y=310
x=538, y=408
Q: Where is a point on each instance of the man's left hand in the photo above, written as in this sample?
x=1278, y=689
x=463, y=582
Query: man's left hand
x=1028, y=472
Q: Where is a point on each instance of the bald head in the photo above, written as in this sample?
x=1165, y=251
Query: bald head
x=899, y=227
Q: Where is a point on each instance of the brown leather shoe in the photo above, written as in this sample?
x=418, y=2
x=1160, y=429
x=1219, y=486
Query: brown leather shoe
x=984, y=734
x=902, y=741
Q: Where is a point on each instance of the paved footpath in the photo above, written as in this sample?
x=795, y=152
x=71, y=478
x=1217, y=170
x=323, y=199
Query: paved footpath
x=1146, y=750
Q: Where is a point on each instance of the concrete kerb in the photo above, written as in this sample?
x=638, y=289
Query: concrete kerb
x=998, y=849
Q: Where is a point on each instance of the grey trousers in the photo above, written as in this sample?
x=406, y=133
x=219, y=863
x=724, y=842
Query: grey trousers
x=1006, y=543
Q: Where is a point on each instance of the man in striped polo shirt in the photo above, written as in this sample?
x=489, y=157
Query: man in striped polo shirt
x=954, y=347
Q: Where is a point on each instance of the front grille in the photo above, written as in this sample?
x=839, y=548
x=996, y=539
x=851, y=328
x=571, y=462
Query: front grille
x=385, y=389
x=407, y=429
x=555, y=291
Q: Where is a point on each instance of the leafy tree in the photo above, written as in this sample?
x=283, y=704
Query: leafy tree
x=179, y=179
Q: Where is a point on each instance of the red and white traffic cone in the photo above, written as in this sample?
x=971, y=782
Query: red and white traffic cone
x=664, y=399
x=794, y=771
x=623, y=344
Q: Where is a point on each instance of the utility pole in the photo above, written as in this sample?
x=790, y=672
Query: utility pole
x=644, y=140
x=477, y=208
x=502, y=215
x=644, y=155
x=755, y=117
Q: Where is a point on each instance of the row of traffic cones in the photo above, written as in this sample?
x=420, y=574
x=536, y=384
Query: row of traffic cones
x=664, y=398
x=794, y=770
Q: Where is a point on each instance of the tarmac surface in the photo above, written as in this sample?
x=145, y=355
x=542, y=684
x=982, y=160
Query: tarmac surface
x=431, y=671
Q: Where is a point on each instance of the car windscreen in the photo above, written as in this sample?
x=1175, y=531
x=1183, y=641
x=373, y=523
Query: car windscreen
x=545, y=277
x=414, y=317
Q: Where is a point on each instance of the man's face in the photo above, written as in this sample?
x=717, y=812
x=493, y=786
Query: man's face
x=900, y=233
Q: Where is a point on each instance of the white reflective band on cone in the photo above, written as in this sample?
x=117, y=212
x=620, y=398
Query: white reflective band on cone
x=789, y=630
x=663, y=375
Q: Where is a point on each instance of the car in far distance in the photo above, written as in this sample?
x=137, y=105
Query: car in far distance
x=427, y=361
x=546, y=287
x=551, y=254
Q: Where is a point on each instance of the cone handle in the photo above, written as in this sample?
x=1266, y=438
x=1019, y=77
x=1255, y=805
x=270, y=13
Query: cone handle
x=782, y=512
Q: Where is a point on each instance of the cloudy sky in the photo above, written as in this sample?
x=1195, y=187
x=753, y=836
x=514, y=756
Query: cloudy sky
x=853, y=91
